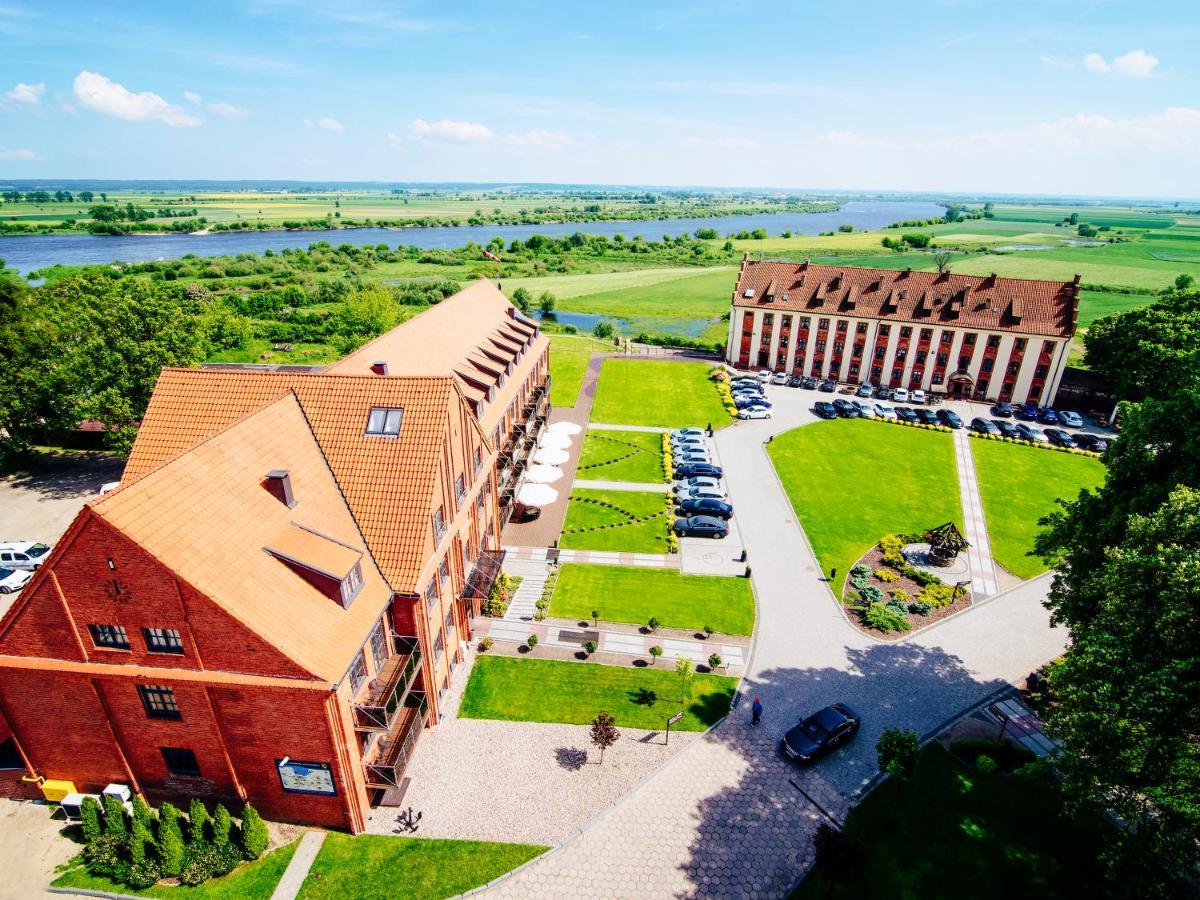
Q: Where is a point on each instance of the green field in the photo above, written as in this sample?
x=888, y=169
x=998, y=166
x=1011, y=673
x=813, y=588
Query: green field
x=659, y=393
x=851, y=481
x=544, y=690
x=1018, y=486
x=634, y=595
x=625, y=521
x=949, y=832
x=622, y=456
x=569, y=358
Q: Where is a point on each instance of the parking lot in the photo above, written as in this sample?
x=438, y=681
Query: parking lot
x=708, y=555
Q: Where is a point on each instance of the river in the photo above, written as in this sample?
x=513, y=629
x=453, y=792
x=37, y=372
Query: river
x=27, y=253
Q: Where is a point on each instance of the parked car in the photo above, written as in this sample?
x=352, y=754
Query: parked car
x=825, y=410
x=906, y=414
x=1060, y=438
x=1027, y=413
x=949, y=417
x=1002, y=410
x=865, y=390
x=827, y=386
x=1085, y=440
x=1047, y=416
x=701, y=526
x=695, y=454
x=743, y=379
x=1007, y=429
x=688, y=440
x=741, y=401
x=810, y=383
x=865, y=410
x=717, y=509
x=687, y=432
x=926, y=416
x=1071, y=419
x=23, y=554
x=983, y=426
x=795, y=381
x=13, y=579
x=779, y=378
x=755, y=412
x=821, y=733
x=883, y=411
x=845, y=408
x=702, y=493
x=883, y=393
x=683, y=485
x=764, y=375
x=688, y=470
x=900, y=395
x=1029, y=433
x=917, y=396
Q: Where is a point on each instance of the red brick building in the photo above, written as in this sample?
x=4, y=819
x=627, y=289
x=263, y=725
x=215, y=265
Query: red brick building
x=273, y=602
x=966, y=336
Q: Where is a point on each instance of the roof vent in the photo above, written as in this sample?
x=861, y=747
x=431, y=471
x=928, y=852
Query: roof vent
x=279, y=484
x=379, y=367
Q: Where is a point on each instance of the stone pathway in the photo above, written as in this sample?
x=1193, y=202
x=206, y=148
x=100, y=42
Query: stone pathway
x=622, y=486
x=979, y=554
x=297, y=870
x=610, y=641
x=1024, y=724
x=613, y=558
x=534, y=574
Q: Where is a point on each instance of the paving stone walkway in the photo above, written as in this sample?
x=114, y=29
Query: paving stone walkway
x=979, y=554
x=622, y=486
x=297, y=870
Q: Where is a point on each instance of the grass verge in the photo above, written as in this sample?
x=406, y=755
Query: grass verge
x=622, y=456
x=658, y=393
x=624, y=521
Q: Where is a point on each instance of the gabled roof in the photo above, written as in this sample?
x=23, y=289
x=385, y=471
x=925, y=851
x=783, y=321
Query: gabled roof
x=967, y=301
x=204, y=515
x=387, y=482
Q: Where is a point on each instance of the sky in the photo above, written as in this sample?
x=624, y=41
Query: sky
x=1004, y=96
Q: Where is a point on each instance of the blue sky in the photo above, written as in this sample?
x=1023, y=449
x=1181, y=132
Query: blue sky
x=945, y=95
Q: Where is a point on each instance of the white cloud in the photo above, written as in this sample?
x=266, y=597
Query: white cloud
x=193, y=97
x=28, y=94
x=326, y=123
x=17, y=154
x=477, y=132
x=229, y=111
x=102, y=95
x=1134, y=64
x=451, y=131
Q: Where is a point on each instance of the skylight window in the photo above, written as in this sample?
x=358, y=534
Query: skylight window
x=384, y=422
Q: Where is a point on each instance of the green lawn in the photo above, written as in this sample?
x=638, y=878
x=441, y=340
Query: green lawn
x=700, y=294
x=378, y=867
x=851, y=481
x=949, y=832
x=628, y=521
x=569, y=357
x=1019, y=485
x=659, y=393
x=252, y=880
x=632, y=594
x=622, y=456
x=546, y=690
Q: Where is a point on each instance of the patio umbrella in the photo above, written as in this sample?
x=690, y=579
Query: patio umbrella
x=567, y=428
x=551, y=457
x=542, y=474
x=536, y=494
x=554, y=442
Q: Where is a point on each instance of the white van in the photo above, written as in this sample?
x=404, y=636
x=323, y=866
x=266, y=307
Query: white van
x=23, y=554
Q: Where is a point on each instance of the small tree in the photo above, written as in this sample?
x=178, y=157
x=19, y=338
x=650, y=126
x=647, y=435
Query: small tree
x=596, y=617
x=714, y=662
x=942, y=259
x=89, y=819
x=591, y=647
x=686, y=673
x=197, y=822
x=1184, y=282
x=531, y=641
x=254, y=833
x=222, y=824
x=521, y=299
x=142, y=813
x=653, y=624
x=115, y=825
x=603, y=329
x=139, y=837
x=708, y=631
x=604, y=733
x=897, y=752
x=170, y=841
x=546, y=302
x=655, y=652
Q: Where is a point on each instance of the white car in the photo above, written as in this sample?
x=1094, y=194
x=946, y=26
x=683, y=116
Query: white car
x=755, y=412
x=883, y=411
x=687, y=432
x=700, y=481
x=764, y=375
x=22, y=554
x=689, y=440
x=691, y=455
x=13, y=579
x=900, y=395
x=918, y=396
x=1071, y=419
x=703, y=494
x=779, y=378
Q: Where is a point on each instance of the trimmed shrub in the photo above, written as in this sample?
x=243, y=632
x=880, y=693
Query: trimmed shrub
x=103, y=855
x=197, y=824
x=860, y=569
x=143, y=874
x=227, y=856
x=142, y=813
x=89, y=819
x=139, y=837
x=937, y=595
x=200, y=864
x=485, y=645
x=985, y=764
x=898, y=594
x=871, y=594
x=531, y=641
x=254, y=833
x=222, y=825
x=877, y=615
x=892, y=547
x=655, y=652
x=919, y=608
x=115, y=824
x=170, y=841
x=591, y=647
x=653, y=624
x=886, y=575
x=896, y=750
x=714, y=661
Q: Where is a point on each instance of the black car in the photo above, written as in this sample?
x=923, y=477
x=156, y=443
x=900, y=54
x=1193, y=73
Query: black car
x=795, y=381
x=845, y=408
x=926, y=416
x=741, y=401
x=821, y=733
x=1048, y=416
x=906, y=414
x=1007, y=429
x=827, y=386
x=705, y=506
x=1060, y=438
x=810, y=383
x=825, y=409
x=701, y=469
x=1002, y=410
x=883, y=393
x=1086, y=441
x=983, y=426
x=701, y=526
x=1026, y=413
x=949, y=417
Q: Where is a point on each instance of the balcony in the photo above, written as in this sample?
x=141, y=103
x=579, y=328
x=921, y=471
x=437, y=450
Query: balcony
x=385, y=698
x=483, y=575
x=384, y=765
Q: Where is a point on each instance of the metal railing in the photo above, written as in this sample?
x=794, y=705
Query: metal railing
x=386, y=696
x=385, y=766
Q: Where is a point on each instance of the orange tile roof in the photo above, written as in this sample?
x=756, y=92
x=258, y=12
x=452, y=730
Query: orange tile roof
x=204, y=514
x=1020, y=305
x=306, y=547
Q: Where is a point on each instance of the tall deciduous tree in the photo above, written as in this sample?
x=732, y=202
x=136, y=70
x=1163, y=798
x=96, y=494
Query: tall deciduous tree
x=1146, y=352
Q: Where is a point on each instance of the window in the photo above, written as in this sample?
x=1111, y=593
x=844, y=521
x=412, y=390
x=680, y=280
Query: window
x=384, y=422
x=180, y=762
x=1047, y=347
x=862, y=327
x=444, y=568
x=820, y=346
x=159, y=701
x=109, y=637
x=351, y=584
x=1014, y=368
x=921, y=355
x=901, y=354
x=800, y=342
x=947, y=337
x=431, y=594
x=822, y=324
x=1019, y=346
x=481, y=500
x=439, y=525
x=885, y=329
x=163, y=640
x=449, y=621
x=926, y=334
x=438, y=647
x=905, y=331
x=768, y=318
x=478, y=459
x=938, y=377
x=986, y=365
x=1040, y=372
x=854, y=370
x=358, y=674
x=880, y=352
x=838, y=346
x=964, y=361
x=858, y=348
x=943, y=358
x=804, y=321
x=896, y=373
x=460, y=488
x=876, y=371
x=379, y=644
x=969, y=339
x=841, y=326
x=993, y=342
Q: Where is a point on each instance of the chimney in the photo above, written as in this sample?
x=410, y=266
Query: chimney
x=379, y=367
x=511, y=311
x=279, y=484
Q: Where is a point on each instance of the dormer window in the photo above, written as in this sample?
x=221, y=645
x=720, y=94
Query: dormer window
x=330, y=566
x=384, y=422
x=352, y=584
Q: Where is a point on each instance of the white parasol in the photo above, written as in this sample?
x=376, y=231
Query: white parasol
x=536, y=494
x=554, y=442
x=567, y=428
x=541, y=474
x=551, y=457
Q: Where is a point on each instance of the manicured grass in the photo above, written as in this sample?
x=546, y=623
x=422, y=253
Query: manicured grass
x=622, y=456
x=378, y=867
x=949, y=832
x=699, y=294
x=1019, y=485
x=1097, y=304
x=632, y=594
x=657, y=392
x=252, y=880
x=853, y=481
x=569, y=358
x=629, y=521
x=547, y=690
x=568, y=287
